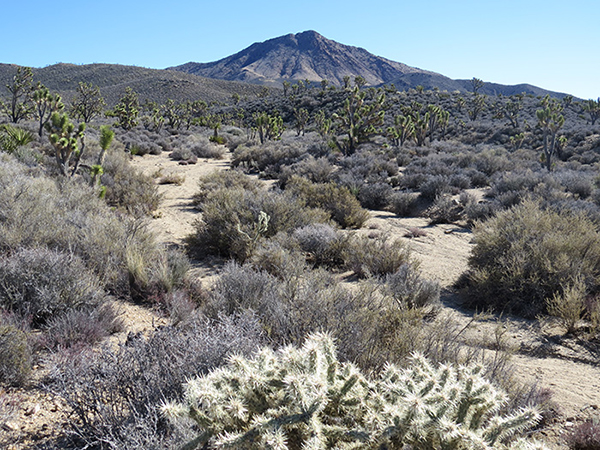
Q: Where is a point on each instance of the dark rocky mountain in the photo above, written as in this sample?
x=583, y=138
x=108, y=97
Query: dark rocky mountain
x=153, y=84
x=309, y=55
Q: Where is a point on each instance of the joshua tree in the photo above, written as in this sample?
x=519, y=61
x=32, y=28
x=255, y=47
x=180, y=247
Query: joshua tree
x=87, y=103
x=323, y=123
x=106, y=137
x=550, y=121
x=301, y=117
x=127, y=110
x=403, y=130
x=592, y=107
x=358, y=120
x=45, y=104
x=67, y=141
x=510, y=110
x=268, y=127
x=19, y=106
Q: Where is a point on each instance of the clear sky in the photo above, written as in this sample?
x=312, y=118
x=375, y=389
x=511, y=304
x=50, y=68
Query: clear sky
x=552, y=44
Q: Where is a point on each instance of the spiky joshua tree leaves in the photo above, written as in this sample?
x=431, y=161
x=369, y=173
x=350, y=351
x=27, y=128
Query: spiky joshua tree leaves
x=68, y=142
x=358, y=120
x=306, y=399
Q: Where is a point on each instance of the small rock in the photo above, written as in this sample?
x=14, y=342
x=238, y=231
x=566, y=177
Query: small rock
x=10, y=426
x=34, y=409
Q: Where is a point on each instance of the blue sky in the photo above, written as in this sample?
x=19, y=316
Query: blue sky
x=551, y=44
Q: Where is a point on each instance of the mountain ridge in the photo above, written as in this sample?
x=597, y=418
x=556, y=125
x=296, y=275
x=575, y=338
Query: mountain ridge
x=310, y=56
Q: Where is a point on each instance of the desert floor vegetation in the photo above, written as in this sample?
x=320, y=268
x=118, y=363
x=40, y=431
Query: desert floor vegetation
x=357, y=273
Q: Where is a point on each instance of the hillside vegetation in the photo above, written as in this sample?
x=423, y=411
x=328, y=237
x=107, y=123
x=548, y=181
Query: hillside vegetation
x=297, y=270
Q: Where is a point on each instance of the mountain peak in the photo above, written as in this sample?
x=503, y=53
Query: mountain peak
x=304, y=55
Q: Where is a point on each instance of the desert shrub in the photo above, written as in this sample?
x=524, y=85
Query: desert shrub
x=327, y=403
x=15, y=355
x=181, y=154
x=82, y=327
x=369, y=164
x=40, y=283
x=585, y=436
x=68, y=216
x=526, y=254
x=376, y=256
x=479, y=211
x=409, y=289
x=201, y=147
x=269, y=157
x=434, y=187
x=114, y=393
x=126, y=187
x=444, y=210
x=336, y=200
x=323, y=243
x=139, y=143
x=277, y=257
x=313, y=169
x=375, y=196
x=223, y=180
x=403, y=204
x=230, y=220
x=568, y=307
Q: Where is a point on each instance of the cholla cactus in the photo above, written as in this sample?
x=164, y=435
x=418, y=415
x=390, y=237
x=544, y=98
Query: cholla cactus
x=289, y=399
x=446, y=407
x=306, y=399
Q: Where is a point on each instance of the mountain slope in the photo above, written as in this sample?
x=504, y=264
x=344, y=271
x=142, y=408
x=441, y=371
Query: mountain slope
x=306, y=55
x=153, y=84
x=309, y=55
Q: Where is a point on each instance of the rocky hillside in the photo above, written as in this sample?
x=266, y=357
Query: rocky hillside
x=309, y=55
x=153, y=84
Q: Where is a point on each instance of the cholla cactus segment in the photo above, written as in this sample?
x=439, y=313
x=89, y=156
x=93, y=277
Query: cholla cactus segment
x=305, y=399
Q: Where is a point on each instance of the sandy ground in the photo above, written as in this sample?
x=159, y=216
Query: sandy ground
x=566, y=369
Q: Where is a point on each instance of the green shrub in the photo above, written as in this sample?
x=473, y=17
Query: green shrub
x=526, y=255
x=15, y=355
x=344, y=208
x=305, y=398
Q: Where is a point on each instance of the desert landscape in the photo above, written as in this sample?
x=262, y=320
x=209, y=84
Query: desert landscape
x=302, y=245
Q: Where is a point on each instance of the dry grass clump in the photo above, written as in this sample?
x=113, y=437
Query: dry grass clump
x=15, y=355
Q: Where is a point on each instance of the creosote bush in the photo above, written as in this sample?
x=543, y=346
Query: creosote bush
x=376, y=256
x=525, y=255
x=304, y=397
x=343, y=207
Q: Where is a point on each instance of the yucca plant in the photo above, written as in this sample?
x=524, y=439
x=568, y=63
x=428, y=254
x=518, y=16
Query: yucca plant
x=306, y=399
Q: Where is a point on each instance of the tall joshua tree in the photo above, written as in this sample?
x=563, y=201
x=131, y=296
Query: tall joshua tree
x=19, y=106
x=45, y=104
